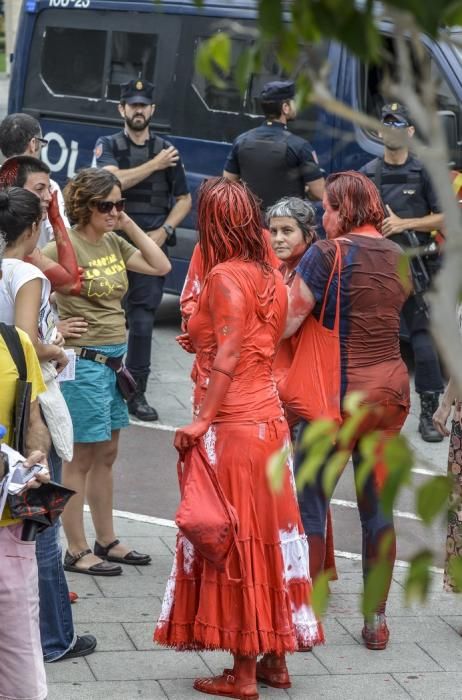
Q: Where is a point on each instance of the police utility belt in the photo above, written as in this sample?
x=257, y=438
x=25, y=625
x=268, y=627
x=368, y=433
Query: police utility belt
x=125, y=381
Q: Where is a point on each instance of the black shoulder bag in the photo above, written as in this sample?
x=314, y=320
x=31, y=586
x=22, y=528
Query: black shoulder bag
x=20, y=419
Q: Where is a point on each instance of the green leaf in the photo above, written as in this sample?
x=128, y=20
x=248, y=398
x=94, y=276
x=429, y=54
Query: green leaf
x=432, y=498
x=453, y=14
x=270, y=16
x=349, y=429
x=315, y=457
x=288, y=51
x=352, y=401
x=277, y=468
x=333, y=469
x=320, y=594
x=245, y=66
x=418, y=579
x=220, y=50
x=213, y=58
x=455, y=571
x=304, y=21
x=399, y=460
x=303, y=91
x=404, y=272
x=368, y=451
x=375, y=587
x=317, y=429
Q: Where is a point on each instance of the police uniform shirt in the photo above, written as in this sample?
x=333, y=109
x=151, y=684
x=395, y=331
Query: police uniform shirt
x=176, y=176
x=299, y=152
x=407, y=190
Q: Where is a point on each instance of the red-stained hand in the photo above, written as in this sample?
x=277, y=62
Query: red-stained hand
x=188, y=435
x=54, y=215
x=185, y=341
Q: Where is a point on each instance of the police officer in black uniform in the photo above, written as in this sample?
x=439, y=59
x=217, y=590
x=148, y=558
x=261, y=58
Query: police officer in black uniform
x=411, y=206
x=272, y=161
x=157, y=198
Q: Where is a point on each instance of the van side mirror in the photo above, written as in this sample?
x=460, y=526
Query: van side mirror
x=449, y=123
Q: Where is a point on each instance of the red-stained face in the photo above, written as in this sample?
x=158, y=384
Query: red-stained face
x=330, y=219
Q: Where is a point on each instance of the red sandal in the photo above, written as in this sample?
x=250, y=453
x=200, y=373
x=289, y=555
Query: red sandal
x=272, y=671
x=226, y=686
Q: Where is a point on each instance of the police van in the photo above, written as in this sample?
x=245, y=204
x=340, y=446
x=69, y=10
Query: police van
x=72, y=55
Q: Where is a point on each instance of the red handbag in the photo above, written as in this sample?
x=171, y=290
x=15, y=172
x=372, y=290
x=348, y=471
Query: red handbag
x=311, y=388
x=205, y=516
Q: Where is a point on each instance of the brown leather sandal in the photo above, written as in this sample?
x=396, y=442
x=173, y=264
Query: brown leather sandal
x=132, y=557
x=103, y=568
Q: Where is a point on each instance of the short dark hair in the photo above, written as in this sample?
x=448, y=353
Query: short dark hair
x=19, y=209
x=28, y=165
x=273, y=109
x=16, y=130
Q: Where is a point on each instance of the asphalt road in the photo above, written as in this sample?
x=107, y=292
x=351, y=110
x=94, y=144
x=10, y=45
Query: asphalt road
x=146, y=478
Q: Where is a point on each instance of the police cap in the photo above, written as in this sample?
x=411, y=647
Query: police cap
x=137, y=92
x=278, y=90
x=396, y=111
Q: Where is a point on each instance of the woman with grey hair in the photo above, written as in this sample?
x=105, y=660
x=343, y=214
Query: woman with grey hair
x=291, y=222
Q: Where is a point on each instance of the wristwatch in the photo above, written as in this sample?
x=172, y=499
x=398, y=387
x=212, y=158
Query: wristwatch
x=171, y=235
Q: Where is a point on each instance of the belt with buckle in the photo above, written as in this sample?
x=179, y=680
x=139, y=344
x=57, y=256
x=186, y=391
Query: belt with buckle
x=114, y=363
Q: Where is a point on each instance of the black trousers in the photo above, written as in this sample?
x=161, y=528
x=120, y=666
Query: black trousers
x=141, y=303
x=428, y=375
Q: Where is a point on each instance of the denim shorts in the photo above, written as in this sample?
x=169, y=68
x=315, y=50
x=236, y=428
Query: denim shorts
x=93, y=398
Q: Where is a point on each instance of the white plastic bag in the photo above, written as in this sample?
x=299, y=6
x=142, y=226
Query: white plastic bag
x=56, y=413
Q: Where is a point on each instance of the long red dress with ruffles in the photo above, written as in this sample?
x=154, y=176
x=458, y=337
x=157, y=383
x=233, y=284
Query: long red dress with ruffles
x=269, y=609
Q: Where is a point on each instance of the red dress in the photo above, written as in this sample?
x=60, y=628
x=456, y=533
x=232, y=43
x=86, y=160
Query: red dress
x=269, y=610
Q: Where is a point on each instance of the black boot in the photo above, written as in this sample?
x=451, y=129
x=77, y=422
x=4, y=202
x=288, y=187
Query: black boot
x=429, y=401
x=138, y=406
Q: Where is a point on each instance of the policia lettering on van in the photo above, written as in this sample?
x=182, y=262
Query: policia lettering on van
x=157, y=198
x=413, y=212
x=272, y=161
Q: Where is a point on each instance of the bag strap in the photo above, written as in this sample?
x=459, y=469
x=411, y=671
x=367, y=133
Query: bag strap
x=336, y=267
x=13, y=342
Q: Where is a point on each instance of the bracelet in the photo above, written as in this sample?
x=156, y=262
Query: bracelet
x=223, y=371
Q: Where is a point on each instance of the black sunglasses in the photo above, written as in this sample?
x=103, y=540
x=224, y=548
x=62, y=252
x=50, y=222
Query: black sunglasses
x=42, y=141
x=105, y=206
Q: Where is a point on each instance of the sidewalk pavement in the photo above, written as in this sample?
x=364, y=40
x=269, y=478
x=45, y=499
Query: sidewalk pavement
x=423, y=659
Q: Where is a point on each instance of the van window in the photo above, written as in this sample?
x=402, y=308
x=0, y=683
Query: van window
x=80, y=72
x=372, y=78
x=224, y=98
x=133, y=55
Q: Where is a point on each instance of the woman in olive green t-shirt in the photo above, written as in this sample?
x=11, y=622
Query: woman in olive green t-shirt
x=94, y=203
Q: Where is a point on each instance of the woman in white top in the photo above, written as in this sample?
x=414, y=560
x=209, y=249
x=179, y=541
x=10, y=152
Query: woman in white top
x=24, y=289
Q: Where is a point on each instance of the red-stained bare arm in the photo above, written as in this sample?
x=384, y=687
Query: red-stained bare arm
x=64, y=274
x=301, y=304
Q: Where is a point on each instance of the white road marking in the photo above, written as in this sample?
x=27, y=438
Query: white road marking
x=151, y=520
x=427, y=472
x=172, y=428
x=353, y=504
x=357, y=557
x=153, y=425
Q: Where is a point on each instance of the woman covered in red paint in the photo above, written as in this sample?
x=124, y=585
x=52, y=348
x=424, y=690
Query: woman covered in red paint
x=369, y=303
x=234, y=329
